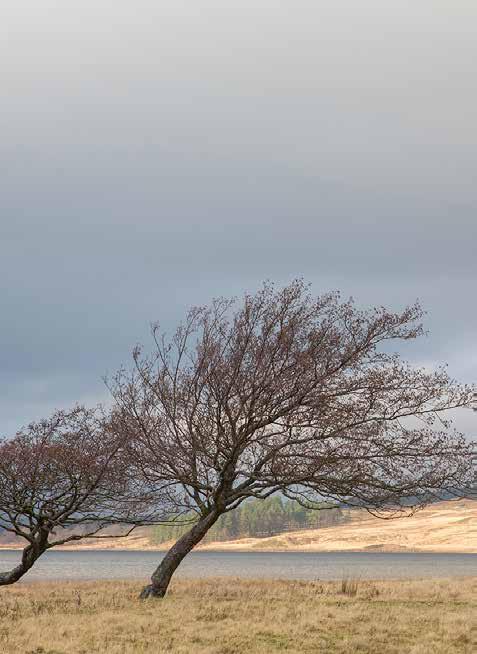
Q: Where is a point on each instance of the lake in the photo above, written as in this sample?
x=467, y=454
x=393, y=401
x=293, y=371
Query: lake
x=127, y=564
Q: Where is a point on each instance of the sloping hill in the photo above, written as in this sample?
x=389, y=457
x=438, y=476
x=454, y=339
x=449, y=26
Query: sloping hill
x=442, y=527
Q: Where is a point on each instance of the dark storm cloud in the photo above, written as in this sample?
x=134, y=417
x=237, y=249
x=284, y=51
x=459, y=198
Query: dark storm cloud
x=154, y=156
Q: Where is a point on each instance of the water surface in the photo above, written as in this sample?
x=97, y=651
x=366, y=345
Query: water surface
x=127, y=564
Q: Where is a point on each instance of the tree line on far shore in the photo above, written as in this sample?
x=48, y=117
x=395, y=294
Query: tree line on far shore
x=260, y=519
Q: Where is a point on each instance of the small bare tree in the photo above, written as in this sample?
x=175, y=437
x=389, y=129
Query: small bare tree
x=63, y=479
x=286, y=393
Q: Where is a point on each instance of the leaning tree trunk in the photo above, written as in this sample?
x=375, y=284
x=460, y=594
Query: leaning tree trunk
x=169, y=564
x=30, y=554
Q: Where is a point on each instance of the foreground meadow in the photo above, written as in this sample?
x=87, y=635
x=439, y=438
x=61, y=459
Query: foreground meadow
x=231, y=616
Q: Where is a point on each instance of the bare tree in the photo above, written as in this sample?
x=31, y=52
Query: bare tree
x=67, y=478
x=286, y=393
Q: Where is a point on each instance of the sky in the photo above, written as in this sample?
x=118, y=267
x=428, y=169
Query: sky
x=157, y=154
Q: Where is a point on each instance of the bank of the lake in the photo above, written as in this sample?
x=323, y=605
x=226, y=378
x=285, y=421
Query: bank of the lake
x=214, y=616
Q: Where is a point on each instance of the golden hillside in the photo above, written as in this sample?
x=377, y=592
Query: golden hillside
x=442, y=527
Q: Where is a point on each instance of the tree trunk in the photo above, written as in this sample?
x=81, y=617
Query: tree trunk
x=169, y=564
x=30, y=554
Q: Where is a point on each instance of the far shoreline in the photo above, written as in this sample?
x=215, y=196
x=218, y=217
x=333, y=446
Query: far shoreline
x=265, y=550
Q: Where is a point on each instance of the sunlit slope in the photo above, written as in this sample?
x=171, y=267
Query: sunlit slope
x=442, y=527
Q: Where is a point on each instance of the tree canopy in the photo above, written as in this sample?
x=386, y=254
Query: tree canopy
x=284, y=392
x=66, y=478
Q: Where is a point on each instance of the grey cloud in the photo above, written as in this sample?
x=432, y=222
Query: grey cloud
x=154, y=155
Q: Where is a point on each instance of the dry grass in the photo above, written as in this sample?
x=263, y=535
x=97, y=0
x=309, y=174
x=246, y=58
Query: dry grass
x=231, y=616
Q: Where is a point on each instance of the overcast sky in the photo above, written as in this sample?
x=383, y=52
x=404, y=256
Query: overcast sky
x=155, y=154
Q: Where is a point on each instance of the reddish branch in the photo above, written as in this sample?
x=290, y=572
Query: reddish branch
x=64, y=479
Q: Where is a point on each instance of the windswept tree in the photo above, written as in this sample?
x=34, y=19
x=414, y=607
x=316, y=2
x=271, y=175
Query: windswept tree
x=67, y=478
x=286, y=393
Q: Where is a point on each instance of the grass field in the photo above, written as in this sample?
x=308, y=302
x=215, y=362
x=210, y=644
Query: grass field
x=231, y=616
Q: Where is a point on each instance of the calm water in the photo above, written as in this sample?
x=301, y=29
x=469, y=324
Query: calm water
x=125, y=564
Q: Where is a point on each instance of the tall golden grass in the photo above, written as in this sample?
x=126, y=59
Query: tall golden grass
x=232, y=616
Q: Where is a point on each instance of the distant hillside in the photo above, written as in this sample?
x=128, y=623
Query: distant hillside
x=449, y=526
x=253, y=518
